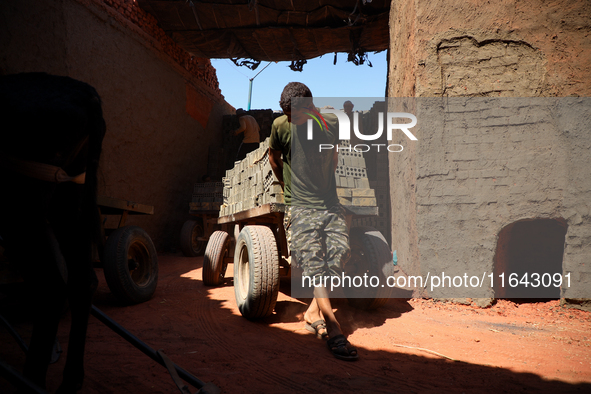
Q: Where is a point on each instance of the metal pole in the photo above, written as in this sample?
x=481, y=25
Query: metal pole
x=147, y=350
x=14, y=334
x=250, y=86
x=23, y=384
x=250, y=92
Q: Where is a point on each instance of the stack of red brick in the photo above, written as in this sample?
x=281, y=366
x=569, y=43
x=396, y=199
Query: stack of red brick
x=200, y=67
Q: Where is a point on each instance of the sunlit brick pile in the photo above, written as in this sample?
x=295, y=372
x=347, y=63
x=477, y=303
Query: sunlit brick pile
x=252, y=183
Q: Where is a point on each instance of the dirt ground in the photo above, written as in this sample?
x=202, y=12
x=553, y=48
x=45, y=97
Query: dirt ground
x=406, y=346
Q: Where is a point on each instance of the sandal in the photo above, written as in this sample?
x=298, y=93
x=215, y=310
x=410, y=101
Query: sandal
x=316, y=327
x=342, y=349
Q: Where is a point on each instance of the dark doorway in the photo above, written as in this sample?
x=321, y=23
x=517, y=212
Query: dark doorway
x=528, y=259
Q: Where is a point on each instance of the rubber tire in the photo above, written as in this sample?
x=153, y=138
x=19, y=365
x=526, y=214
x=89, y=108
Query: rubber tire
x=370, y=254
x=214, y=265
x=138, y=285
x=191, y=230
x=256, y=272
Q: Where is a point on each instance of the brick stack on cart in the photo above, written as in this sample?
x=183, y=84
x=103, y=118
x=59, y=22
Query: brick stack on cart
x=251, y=183
x=351, y=178
x=207, y=196
x=252, y=237
x=205, y=204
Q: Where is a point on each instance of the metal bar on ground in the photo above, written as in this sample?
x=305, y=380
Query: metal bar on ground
x=256, y=212
x=22, y=383
x=14, y=334
x=143, y=347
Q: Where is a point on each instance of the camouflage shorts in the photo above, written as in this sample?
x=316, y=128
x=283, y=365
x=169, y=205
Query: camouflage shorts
x=287, y=224
x=318, y=239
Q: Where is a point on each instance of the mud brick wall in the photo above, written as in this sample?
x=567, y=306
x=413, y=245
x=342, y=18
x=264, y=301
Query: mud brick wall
x=455, y=189
x=163, y=108
x=199, y=67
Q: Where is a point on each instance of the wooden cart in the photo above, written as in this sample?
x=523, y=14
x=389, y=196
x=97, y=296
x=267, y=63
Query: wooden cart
x=196, y=231
x=255, y=241
x=127, y=256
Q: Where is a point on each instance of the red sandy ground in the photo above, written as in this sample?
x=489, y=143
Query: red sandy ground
x=509, y=347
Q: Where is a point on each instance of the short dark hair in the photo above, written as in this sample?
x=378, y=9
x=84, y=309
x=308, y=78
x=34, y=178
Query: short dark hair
x=293, y=89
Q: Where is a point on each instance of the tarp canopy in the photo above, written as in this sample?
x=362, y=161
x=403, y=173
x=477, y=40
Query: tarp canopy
x=274, y=30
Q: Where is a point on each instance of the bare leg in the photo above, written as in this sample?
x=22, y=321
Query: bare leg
x=337, y=343
x=313, y=315
x=313, y=312
x=332, y=325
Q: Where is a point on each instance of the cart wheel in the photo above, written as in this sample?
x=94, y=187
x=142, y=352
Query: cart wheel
x=256, y=272
x=190, y=245
x=131, y=265
x=371, y=255
x=214, y=261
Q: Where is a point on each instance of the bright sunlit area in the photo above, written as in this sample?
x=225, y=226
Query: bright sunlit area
x=321, y=75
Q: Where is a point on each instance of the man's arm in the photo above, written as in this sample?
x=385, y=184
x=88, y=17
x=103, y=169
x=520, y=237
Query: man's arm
x=242, y=126
x=276, y=165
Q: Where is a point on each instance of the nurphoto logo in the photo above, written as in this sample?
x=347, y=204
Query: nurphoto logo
x=345, y=129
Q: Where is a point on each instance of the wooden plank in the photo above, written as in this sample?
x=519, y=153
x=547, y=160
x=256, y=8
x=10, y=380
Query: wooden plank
x=253, y=213
x=115, y=206
x=199, y=212
x=204, y=206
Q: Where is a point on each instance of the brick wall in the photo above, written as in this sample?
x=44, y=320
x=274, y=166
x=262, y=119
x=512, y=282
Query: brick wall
x=163, y=109
x=130, y=10
x=481, y=165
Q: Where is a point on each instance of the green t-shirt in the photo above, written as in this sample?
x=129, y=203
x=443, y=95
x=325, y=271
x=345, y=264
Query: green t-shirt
x=308, y=171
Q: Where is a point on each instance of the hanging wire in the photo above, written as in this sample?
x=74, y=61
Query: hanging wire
x=233, y=66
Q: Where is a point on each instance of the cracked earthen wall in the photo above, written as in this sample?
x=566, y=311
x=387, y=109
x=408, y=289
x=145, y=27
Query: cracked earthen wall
x=455, y=189
x=162, y=107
